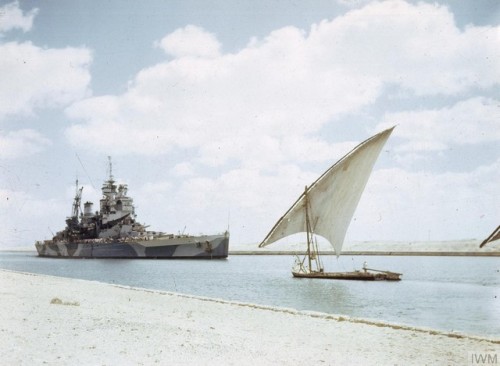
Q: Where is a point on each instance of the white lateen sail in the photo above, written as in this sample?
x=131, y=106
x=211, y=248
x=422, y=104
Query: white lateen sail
x=333, y=197
x=495, y=235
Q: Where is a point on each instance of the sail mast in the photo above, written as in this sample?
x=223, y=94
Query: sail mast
x=308, y=230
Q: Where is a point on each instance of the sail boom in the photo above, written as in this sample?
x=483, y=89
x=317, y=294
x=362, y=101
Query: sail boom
x=495, y=235
x=263, y=243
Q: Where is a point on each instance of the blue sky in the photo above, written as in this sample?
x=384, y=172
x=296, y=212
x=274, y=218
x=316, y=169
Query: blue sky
x=218, y=113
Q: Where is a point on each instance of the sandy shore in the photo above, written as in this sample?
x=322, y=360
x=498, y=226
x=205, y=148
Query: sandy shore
x=58, y=321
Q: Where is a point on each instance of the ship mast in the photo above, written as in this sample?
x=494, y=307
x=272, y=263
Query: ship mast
x=76, y=202
x=110, y=169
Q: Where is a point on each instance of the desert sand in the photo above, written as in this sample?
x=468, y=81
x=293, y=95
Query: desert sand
x=60, y=321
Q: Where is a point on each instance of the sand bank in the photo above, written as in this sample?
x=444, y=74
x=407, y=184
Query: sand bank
x=58, y=321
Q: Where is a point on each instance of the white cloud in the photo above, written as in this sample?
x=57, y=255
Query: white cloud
x=12, y=17
x=34, y=77
x=226, y=106
x=417, y=47
x=468, y=122
x=398, y=205
x=21, y=143
x=183, y=169
x=156, y=191
x=286, y=86
x=190, y=41
x=26, y=218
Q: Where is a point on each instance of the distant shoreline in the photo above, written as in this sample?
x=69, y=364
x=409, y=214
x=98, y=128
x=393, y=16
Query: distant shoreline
x=384, y=253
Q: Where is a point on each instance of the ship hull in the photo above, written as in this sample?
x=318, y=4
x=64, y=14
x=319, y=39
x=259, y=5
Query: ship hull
x=168, y=247
x=353, y=276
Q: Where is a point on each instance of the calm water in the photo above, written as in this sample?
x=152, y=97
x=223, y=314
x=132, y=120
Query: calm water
x=447, y=293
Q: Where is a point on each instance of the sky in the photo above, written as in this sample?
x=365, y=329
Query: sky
x=218, y=113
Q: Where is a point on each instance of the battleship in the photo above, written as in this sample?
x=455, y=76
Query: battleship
x=114, y=232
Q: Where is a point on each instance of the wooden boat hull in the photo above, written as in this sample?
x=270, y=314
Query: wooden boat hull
x=356, y=276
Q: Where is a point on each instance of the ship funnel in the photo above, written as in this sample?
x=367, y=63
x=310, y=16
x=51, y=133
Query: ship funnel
x=87, y=209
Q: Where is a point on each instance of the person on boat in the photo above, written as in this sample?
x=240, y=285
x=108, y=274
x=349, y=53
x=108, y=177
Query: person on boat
x=365, y=266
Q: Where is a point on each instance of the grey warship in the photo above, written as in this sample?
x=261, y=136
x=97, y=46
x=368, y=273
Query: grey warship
x=113, y=232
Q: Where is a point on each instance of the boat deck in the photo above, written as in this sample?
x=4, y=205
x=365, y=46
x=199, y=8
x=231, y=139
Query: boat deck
x=357, y=275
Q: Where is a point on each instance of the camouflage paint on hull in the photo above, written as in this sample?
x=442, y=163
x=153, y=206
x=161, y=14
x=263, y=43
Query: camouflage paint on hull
x=166, y=247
